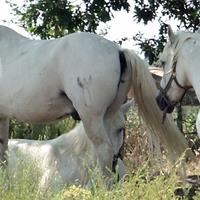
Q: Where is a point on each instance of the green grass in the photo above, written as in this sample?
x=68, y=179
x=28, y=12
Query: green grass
x=137, y=185
x=144, y=181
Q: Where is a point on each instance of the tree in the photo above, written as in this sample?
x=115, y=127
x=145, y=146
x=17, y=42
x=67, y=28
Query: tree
x=55, y=18
x=186, y=12
x=52, y=19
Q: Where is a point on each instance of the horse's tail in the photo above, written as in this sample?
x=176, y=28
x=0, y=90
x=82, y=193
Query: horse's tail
x=144, y=89
x=123, y=84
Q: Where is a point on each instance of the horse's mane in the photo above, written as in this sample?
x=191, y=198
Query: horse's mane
x=75, y=140
x=145, y=92
x=180, y=38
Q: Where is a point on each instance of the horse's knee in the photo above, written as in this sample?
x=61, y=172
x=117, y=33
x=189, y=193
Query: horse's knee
x=95, y=130
x=104, y=154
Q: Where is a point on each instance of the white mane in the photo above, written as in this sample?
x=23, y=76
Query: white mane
x=76, y=139
x=180, y=38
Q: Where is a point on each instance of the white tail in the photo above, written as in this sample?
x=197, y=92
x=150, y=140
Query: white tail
x=145, y=91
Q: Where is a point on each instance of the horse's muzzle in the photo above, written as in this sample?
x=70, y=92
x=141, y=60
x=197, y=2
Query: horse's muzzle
x=164, y=103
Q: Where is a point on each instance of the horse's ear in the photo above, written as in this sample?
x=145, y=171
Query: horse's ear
x=125, y=107
x=171, y=34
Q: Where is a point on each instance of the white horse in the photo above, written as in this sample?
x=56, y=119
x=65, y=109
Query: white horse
x=66, y=159
x=83, y=75
x=180, y=60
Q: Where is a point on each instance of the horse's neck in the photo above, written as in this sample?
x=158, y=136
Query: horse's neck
x=195, y=81
x=190, y=63
x=74, y=141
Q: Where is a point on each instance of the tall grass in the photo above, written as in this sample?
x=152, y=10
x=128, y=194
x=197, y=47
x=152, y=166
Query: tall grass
x=137, y=185
x=144, y=180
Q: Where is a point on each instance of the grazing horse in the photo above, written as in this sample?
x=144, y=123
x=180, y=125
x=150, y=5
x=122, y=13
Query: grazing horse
x=67, y=158
x=83, y=75
x=180, y=62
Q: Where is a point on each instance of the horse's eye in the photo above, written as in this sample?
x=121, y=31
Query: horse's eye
x=121, y=130
x=162, y=63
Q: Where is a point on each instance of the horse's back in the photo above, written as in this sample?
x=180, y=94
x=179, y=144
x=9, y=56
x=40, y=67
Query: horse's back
x=23, y=147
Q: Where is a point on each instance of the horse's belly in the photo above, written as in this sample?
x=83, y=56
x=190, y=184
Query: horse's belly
x=38, y=111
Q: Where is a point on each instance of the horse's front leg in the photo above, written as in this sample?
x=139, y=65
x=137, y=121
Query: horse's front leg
x=198, y=124
x=98, y=135
x=4, y=132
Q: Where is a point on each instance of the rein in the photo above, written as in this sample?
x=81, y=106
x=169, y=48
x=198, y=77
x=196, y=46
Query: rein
x=119, y=154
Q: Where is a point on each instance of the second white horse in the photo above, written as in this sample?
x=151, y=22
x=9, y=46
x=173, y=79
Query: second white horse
x=63, y=160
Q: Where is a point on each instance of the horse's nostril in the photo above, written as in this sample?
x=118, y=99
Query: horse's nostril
x=158, y=99
x=164, y=103
x=170, y=109
x=161, y=102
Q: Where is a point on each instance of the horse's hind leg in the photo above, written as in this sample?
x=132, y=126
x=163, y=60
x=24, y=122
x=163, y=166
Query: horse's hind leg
x=4, y=129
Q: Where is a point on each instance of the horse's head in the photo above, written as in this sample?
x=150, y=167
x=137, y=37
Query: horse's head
x=116, y=126
x=173, y=84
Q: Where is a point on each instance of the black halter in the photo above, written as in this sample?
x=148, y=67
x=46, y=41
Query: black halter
x=1, y=141
x=163, y=92
x=167, y=87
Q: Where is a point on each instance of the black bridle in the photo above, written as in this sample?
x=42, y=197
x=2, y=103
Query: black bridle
x=167, y=87
x=173, y=78
x=1, y=141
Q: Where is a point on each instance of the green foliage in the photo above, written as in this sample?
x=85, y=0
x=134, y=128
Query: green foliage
x=153, y=46
x=189, y=127
x=185, y=12
x=22, y=183
x=189, y=119
x=52, y=19
x=40, y=131
x=187, y=124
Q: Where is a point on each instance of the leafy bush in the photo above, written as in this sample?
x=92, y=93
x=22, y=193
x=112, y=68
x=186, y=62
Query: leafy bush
x=40, y=131
x=188, y=126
